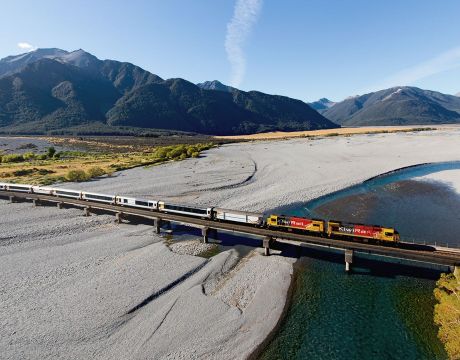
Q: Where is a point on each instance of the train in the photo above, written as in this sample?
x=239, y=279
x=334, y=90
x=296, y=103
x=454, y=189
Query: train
x=294, y=224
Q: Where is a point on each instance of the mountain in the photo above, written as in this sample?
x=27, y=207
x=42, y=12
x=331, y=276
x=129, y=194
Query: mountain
x=215, y=85
x=322, y=105
x=457, y=94
x=12, y=64
x=184, y=106
x=59, y=90
x=401, y=105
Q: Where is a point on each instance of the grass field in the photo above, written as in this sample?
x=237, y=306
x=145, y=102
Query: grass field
x=50, y=167
x=327, y=132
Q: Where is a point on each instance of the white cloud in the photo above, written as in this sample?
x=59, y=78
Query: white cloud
x=26, y=46
x=443, y=62
x=245, y=15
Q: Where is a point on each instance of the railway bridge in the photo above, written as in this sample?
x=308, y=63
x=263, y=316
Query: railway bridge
x=420, y=254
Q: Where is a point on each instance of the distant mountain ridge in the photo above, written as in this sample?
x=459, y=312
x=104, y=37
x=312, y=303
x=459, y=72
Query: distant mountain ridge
x=402, y=105
x=14, y=63
x=322, y=105
x=215, y=85
x=52, y=89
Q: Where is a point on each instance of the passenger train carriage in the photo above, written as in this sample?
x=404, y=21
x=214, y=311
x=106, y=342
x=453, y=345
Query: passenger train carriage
x=185, y=210
x=18, y=187
x=74, y=194
x=109, y=199
x=137, y=203
x=316, y=227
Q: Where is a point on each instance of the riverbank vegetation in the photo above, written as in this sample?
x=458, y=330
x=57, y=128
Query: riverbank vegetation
x=447, y=312
x=52, y=166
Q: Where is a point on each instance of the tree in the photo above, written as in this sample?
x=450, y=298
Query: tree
x=51, y=152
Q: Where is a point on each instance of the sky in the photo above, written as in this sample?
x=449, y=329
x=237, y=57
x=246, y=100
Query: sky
x=306, y=49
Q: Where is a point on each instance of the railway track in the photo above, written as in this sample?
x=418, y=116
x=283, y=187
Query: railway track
x=407, y=251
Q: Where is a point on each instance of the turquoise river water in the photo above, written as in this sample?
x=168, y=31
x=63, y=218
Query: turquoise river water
x=382, y=309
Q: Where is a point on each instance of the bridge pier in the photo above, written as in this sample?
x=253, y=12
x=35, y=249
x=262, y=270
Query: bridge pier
x=156, y=225
x=86, y=211
x=12, y=199
x=266, y=244
x=205, y=233
x=119, y=217
x=35, y=202
x=59, y=205
x=348, y=259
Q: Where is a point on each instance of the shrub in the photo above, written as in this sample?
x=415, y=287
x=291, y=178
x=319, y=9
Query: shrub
x=23, y=172
x=95, y=172
x=29, y=156
x=44, y=171
x=42, y=157
x=191, y=150
x=12, y=158
x=27, y=146
x=51, y=152
x=447, y=312
x=161, y=152
x=176, y=151
x=77, y=175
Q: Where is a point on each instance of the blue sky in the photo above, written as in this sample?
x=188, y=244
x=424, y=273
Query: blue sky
x=304, y=49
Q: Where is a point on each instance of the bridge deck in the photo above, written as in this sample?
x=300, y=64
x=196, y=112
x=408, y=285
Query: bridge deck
x=426, y=254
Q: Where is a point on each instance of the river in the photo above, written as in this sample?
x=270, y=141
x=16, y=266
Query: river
x=382, y=310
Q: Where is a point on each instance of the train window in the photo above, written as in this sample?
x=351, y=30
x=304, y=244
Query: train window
x=388, y=234
x=67, y=193
x=99, y=197
x=125, y=200
x=185, y=209
x=141, y=203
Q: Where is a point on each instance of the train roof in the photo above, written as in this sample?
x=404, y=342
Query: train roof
x=298, y=217
x=98, y=194
x=135, y=198
x=361, y=224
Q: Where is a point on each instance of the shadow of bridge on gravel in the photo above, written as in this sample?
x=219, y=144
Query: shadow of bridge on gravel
x=165, y=289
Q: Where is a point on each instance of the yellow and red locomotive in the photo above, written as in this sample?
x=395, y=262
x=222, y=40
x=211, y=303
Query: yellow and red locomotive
x=296, y=223
x=374, y=233
x=335, y=229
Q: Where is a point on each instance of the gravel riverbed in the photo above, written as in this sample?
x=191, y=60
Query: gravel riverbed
x=75, y=287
